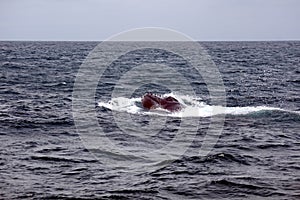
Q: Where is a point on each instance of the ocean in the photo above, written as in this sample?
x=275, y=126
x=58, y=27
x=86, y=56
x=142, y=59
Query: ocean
x=246, y=148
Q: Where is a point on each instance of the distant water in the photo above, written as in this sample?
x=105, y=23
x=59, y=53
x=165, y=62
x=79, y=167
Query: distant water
x=256, y=157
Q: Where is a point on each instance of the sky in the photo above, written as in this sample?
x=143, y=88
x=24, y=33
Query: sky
x=96, y=20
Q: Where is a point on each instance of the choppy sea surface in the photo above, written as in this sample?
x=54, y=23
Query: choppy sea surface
x=256, y=156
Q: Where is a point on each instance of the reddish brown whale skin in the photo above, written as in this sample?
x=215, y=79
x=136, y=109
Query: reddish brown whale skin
x=151, y=101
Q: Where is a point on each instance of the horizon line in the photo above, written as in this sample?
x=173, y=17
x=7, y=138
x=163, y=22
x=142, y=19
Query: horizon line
x=258, y=40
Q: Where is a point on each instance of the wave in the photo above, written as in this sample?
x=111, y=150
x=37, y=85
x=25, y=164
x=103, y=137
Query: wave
x=193, y=107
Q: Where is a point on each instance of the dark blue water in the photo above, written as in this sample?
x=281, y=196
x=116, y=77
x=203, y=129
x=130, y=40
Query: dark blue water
x=257, y=155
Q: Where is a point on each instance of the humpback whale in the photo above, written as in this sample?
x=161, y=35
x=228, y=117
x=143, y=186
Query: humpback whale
x=152, y=101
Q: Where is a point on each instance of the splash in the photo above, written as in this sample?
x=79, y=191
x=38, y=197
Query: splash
x=192, y=107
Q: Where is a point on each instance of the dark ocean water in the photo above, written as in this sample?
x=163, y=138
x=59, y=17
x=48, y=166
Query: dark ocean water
x=256, y=157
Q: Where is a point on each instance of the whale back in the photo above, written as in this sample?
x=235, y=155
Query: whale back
x=151, y=101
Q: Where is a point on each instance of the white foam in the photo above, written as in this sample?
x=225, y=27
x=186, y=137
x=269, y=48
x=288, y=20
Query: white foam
x=193, y=107
x=122, y=104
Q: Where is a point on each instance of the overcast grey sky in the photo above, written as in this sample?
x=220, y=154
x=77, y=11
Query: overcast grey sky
x=199, y=19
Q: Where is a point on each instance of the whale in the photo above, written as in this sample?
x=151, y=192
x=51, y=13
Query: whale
x=152, y=101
